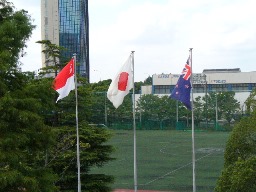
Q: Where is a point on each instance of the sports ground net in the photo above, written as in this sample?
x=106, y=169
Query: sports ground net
x=164, y=160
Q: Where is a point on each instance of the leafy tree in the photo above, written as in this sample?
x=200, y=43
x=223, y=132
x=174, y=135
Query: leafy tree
x=15, y=30
x=156, y=108
x=52, y=54
x=23, y=135
x=101, y=86
x=238, y=177
x=251, y=102
x=93, y=150
x=240, y=158
x=23, y=141
x=198, y=109
x=242, y=142
x=148, y=81
x=226, y=103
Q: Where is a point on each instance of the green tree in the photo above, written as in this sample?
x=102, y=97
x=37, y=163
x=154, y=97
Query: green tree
x=23, y=135
x=251, y=102
x=62, y=156
x=148, y=81
x=93, y=148
x=23, y=141
x=156, y=108
x=199, y=114
x=227, y=105
x=240, y=158
x=53, y=61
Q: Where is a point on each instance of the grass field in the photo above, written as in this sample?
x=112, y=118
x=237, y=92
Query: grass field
x=164, y=160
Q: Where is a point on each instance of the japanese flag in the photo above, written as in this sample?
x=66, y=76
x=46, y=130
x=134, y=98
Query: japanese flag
x=121, y=84
x=64, y=82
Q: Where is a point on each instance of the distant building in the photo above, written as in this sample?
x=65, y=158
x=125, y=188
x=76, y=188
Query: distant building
x=211, y=80
x=65, y=23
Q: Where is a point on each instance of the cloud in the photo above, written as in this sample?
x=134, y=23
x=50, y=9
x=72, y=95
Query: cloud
x=161, y=32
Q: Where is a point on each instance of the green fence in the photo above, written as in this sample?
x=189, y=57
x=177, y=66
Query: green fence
x=150, y=124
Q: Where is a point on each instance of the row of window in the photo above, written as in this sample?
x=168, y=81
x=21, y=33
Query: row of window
x=167, y=89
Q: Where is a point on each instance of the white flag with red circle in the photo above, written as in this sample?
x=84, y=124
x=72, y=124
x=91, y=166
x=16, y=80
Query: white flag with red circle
x=64, y=82
x=121, y=84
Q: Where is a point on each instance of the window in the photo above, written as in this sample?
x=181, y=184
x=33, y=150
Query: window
x=240, y=87
x=162, y=89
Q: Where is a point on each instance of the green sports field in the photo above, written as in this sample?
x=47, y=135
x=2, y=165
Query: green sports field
x=164, y=160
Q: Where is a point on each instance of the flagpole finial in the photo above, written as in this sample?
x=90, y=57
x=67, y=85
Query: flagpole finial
x=190, y=49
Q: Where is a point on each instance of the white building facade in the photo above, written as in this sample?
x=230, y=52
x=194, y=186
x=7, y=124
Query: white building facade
x=212, y=80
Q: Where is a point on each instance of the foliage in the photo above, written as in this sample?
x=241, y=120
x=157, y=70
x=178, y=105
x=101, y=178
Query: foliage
x=93, y=152
x=239, y=176
x=15, y=30
x=52, y=54
x=227, y=107
x=156, y=108
x=240, y=158
x=37, y=136
x=24, y=137
x=242, y=142
x=251, y=102
x=101, y=86
x=61, y=157
x=148, y=81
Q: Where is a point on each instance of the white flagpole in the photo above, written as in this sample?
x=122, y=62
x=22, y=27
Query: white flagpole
x=193, y=129
x=77, y=134
x=134, y=130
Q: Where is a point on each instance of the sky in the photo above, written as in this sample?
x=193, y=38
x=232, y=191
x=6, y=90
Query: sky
x=222, y=34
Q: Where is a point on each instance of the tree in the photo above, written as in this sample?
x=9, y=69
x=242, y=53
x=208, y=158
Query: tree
x=251, y=102
x=23, y=141
x=240, y=158
x=23, y=135
x=15, y=30
x=52, y=54
x=148, y=81
x=61, y=157
x=199, y=114
x=227, y=105
x=93, y=148
x=156, y=108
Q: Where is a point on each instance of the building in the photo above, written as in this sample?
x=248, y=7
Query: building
x=210, y=80
x=65, y=23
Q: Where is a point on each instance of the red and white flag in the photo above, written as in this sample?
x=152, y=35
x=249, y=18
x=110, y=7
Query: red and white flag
x=64, y=82
x=121, y=84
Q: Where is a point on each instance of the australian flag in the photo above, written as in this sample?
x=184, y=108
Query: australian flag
x=181, y=92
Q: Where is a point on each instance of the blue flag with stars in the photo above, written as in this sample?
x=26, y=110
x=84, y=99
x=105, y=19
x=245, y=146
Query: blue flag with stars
x=181, y=92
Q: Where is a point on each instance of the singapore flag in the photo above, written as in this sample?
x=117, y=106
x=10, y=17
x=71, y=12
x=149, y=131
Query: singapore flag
x=64, y=82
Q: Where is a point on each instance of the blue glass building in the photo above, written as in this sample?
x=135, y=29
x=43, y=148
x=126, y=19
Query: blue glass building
x=66, y=23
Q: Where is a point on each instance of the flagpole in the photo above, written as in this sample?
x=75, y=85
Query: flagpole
x=177, y=112
x=193, y=129
x=77, y=133
x=134, y=130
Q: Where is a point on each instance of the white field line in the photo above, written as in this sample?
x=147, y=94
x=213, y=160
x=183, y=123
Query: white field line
x=161, y=177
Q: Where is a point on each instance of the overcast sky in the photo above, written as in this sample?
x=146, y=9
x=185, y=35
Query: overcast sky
x=222, y=34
